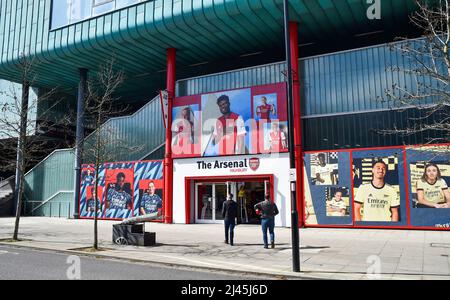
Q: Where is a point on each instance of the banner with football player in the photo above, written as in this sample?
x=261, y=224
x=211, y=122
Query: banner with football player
x=124, y=190
x=379, y=188
x=390, y=187
x=429, y=177
x=355, y=188
x=87, y=194
x=236, y=122
x=328, y=188
x=148, y=189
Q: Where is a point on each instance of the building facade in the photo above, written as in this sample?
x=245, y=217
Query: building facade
x=199, y=51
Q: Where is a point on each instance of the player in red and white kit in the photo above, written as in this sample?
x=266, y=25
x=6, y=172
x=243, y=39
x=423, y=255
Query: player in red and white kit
x=264, y=110
x=230, y=131
x=277, y=138
x=183, y=136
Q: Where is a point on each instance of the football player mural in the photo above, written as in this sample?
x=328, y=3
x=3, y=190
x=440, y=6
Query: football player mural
x=387, y=187
x=124, y=190
x=233, y=122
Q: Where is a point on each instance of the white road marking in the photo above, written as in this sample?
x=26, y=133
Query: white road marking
x=7, y=252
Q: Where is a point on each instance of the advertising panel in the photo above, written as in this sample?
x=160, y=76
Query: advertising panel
x=235, y=122
x=148, y=188
x=124, y=190
x=328, y=188
x=379, y=188
x=391, y=187
x=428, y=177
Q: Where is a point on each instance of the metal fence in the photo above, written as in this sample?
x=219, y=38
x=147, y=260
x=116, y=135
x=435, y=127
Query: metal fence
x=57, y=209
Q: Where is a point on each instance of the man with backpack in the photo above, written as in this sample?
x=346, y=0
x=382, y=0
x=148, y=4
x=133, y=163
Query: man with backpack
x=268, y=211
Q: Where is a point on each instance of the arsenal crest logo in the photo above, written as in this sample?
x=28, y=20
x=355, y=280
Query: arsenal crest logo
x=254, y=163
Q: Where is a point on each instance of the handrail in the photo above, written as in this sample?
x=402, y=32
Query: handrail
x=109, y=120
x=153, y=151
x=51, y=155
x=124, y=117
x=48, y=200
x=47, y=157
x=6, y=181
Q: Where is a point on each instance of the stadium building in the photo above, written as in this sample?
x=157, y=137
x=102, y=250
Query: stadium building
x=215, y=72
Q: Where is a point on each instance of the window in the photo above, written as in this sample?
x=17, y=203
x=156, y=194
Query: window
x=65, y=12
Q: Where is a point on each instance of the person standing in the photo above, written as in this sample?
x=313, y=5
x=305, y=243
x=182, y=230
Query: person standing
x=229, y=213
x=268, y=212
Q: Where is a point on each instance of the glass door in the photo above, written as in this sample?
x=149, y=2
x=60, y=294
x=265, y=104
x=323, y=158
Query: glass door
x=220, y=196
x=204, y=202
x=209, y=201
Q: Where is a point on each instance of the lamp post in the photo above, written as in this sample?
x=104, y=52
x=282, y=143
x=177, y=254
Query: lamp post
x=294, y=212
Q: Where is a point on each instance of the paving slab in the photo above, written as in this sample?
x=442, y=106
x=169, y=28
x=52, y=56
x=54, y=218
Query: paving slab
x=325, y=253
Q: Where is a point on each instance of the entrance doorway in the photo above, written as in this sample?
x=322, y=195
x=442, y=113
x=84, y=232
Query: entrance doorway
x=209, y=197
x=248, y=194
x=209, y=201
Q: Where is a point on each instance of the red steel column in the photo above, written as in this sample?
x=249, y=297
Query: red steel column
x=293, y=30
x=168, y=161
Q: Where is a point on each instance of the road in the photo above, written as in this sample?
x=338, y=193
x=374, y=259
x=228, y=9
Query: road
x=29, y=264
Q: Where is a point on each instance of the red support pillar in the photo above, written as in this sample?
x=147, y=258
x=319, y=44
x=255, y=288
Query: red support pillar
x=293, y=30
x=168, y=161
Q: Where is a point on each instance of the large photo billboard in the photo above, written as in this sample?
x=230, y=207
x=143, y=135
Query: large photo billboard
x=328, y=188
x=428, y=177
x=235, y=122
x=124, y=190
x=379, y=188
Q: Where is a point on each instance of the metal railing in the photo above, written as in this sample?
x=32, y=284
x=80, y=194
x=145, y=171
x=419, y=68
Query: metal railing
x=57, y=209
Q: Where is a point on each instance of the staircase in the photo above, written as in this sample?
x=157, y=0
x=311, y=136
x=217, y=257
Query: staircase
x=49, y=185
x=7, y=197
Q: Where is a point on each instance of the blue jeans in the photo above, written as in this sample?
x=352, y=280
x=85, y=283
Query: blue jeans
x=229, y=227
x=268, y=223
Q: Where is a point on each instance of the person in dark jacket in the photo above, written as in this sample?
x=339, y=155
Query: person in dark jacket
x=229, y=213
x=268, y=212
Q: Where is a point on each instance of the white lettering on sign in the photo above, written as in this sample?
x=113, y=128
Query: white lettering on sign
x=234, y=166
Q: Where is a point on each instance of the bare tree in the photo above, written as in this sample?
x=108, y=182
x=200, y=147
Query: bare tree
x=23, y=142
x=103, y=145
x=429, y=68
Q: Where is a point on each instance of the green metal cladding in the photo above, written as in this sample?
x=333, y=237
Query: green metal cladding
x=134, y=137
x=49, y=185
x=204, y=31
x=201, y=30
x=343, y=82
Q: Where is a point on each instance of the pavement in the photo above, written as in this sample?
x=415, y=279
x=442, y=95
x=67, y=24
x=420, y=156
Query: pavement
x=324, y=253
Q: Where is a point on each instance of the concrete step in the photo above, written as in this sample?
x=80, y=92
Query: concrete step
x=5, y=198
x=4, y=194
